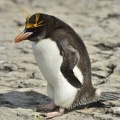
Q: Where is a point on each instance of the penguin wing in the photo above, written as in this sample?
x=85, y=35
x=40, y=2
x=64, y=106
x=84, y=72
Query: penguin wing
x=70, y=60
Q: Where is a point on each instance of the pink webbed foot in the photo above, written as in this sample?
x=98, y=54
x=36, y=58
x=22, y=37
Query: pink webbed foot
x=50, y=106
x=55, y=114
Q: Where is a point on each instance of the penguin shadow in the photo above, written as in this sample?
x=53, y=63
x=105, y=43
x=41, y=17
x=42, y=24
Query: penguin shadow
x=30, y=99
x=26, y=100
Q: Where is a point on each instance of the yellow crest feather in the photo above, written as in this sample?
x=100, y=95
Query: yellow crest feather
x=25, y=13
x=36, y=24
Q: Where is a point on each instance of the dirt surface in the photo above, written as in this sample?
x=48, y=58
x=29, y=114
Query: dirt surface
x=22, y=86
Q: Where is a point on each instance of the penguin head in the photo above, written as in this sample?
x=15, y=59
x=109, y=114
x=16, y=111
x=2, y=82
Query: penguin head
x=36, y=28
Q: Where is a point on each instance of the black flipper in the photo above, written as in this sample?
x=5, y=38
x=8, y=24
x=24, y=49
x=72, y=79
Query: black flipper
x=70, y=60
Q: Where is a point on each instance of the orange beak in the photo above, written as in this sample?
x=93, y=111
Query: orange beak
x=22, y=36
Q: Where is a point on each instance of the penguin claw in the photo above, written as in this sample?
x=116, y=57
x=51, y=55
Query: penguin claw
x=43, y=114
x=45, y=107
x=48, y=115
x=54, y=114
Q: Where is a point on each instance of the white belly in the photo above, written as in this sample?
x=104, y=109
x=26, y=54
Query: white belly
x=49, y=61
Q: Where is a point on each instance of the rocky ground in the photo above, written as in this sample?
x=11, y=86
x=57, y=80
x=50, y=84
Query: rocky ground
x=21, y=83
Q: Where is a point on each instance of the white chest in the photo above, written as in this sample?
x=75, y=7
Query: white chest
x=49, y=60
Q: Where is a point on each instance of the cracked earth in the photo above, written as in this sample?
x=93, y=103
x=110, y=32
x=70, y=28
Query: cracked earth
x=22, y=86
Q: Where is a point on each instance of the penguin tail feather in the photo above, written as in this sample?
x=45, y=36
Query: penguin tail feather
x=109, y=96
